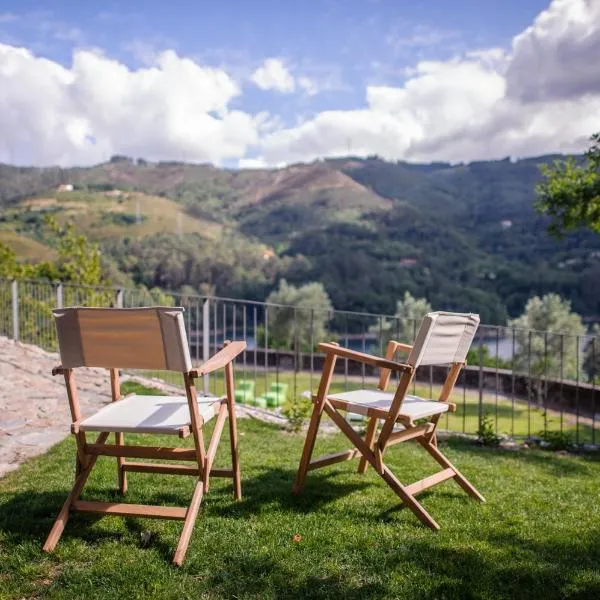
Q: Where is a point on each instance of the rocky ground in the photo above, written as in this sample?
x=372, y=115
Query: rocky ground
x=34, y=410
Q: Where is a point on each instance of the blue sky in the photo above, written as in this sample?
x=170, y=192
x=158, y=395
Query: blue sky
x=348, y=42
x=334, y=53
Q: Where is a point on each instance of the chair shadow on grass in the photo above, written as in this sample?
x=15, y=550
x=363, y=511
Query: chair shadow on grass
x=275, y=486
x=454, y=572
x=28, y=517
x=508, y=571
x=554, y=463
x=253, y=576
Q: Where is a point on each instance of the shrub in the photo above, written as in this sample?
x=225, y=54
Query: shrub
x=556, y=440
x=297, y=410
x=486, y=434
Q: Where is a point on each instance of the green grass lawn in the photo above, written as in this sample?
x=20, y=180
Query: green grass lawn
x=538, y=535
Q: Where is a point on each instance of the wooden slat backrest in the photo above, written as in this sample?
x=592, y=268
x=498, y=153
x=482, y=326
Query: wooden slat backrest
x=124, y=338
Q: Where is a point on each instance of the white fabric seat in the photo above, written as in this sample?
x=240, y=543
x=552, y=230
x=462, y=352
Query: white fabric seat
x=375, y=402
x=149, y=414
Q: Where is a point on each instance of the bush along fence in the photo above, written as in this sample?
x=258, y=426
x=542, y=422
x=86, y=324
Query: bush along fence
x=523, y=383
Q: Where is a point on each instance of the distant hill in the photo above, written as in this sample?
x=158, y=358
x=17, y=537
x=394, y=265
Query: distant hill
x=466, y=236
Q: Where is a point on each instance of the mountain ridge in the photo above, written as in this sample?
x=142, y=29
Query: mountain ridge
x=466, y=236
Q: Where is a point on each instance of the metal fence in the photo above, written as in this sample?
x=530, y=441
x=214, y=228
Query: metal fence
x=517, y=382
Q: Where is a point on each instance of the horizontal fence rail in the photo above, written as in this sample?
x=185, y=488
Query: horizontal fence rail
x=517, y=382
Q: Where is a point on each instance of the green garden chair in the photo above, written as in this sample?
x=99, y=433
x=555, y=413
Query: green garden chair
x=276, y=396
x=244, y=393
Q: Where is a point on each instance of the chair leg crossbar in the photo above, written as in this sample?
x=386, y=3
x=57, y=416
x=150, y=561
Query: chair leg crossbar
x=367, y=449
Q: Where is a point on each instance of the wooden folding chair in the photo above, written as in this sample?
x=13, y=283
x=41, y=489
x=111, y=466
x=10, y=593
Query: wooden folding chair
x=443, y=339
x=152, y=339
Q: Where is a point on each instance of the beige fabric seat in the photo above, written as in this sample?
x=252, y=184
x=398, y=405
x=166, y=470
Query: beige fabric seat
x=377, y=403
x=150, y=414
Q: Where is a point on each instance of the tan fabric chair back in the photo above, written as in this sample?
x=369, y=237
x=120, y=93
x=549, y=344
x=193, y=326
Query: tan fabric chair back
x=443, y=338
x=124, y=338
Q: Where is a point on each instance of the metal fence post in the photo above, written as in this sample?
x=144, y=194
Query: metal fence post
x=206, y=339
x=119, y=298
x=59, y=295
x=15, y=309
x=480, y=412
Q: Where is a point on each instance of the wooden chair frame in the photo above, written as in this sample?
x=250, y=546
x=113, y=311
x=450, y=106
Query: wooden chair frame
x=87, y=454
x=371, y=449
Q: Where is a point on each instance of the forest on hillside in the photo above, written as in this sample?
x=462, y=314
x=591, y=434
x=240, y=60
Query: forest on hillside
x=466, y=237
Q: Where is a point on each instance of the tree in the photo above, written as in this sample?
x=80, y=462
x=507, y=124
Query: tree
x=10, y=268
x=591, y=355
x=300, y=322
x=409, y=314
x=570, y=194
x=547, y=338
x=78, y=261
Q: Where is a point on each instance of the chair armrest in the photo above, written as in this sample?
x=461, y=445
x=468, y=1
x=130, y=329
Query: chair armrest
x=58, y=370
x=220, y=359
x=392, y=347
x=403, y=347
x=361, y=357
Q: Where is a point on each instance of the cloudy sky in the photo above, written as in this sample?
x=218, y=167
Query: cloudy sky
x=269, y=82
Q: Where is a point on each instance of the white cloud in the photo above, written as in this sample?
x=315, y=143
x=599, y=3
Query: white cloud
x=542, y=97
x=142, y=51
x=173, y=109
x=557, y=57
x=308, y=85
x=399, y=40
x=434, y=101
x=274, y=75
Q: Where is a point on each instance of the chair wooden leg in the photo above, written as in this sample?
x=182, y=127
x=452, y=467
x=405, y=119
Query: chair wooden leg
x=212, y=446
x=83, y=472
x=120, y=441
x=369, y=439
x=233, y=433
x=78, y=466
x=458, y=477
x=63, y=516
x=385, y=472
x=235, y=456
x=415, y=506
x=188, y=526
x=309, y=446
x=432, y=436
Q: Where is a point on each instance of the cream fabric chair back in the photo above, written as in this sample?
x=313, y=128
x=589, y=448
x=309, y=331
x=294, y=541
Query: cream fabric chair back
x=443, y=338
x=125, y=338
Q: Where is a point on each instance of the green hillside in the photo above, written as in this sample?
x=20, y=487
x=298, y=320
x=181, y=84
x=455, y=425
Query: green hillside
x=465, y=236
